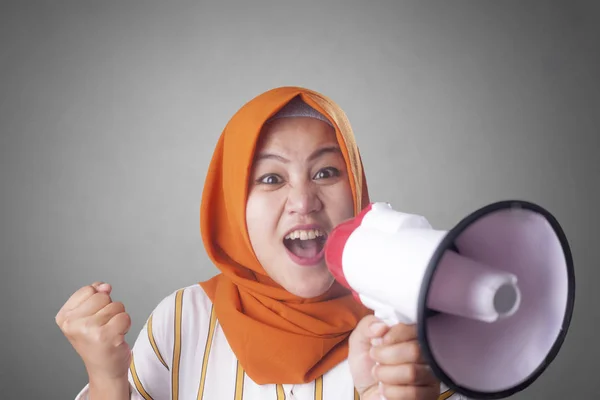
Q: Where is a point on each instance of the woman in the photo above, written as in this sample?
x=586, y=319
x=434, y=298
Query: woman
x=273, y=324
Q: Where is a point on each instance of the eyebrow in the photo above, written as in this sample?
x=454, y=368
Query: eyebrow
x=316, y=154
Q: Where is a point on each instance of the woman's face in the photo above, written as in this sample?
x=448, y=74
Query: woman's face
x=298, y=191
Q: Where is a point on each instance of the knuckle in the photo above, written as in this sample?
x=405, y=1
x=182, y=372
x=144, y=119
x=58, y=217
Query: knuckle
x=118, y=306
x=103, y=297
x=87, y=291
x=126, y=318
x=71, y=328
x=411, y=372
x=88, y=326
x=365, y=323
x=65, y=328
x=368, y=319
x=414, y=351
x=98, y=335
x=354, y=338
x=375, y=372
x=120, y=318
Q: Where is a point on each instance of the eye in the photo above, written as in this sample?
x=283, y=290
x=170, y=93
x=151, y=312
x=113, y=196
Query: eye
x=269, y=179
x=328, y=172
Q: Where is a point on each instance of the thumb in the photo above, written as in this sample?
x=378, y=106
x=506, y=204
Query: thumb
x=103, y=287
x=368, y=331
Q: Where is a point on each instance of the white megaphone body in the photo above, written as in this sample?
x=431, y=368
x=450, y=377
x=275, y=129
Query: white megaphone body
x=492, y=298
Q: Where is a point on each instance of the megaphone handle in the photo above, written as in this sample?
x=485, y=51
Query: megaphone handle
x=390, y=317
x=385, y=312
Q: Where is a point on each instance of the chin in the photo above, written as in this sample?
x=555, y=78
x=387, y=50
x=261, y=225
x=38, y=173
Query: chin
x=307, y=288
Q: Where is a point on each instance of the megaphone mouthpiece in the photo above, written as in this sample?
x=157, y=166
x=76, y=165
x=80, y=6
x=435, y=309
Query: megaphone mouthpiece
x=467, y=288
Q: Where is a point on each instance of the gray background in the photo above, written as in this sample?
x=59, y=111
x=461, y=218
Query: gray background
x=110, y=110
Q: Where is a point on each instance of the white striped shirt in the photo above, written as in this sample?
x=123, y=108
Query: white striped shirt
x=181, y=353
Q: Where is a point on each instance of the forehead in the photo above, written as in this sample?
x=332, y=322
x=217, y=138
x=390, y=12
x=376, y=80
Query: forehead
x=295, y=133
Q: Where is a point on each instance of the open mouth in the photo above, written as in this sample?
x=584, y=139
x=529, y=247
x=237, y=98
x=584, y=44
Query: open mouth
x=307, y=244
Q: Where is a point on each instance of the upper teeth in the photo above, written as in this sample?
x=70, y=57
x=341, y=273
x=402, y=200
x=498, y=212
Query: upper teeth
x=305, y=234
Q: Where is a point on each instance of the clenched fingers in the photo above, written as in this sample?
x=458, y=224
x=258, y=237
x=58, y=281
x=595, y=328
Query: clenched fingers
x=399, y=353
x=74, y=301
x=404, y=374
x=118, y=326
x=90, y=306
x=400, y=333
x=105, y=314
x=367, y=329
x=80, y=296
x=112, y=333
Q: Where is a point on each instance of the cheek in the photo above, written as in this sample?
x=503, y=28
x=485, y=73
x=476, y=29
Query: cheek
x=260, y=217
x=341, y=204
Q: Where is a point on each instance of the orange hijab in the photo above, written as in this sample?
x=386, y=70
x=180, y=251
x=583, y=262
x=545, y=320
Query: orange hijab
x=276, y=336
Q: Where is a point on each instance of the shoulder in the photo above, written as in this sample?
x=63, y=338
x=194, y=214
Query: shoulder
x=179, y=318
x=192, y=296
x=188, y=302
x=187, y=307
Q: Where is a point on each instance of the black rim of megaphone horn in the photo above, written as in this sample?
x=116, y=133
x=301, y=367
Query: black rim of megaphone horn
x=424, y=312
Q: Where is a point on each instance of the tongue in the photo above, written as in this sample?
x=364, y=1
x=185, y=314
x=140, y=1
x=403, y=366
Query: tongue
x=304, y=248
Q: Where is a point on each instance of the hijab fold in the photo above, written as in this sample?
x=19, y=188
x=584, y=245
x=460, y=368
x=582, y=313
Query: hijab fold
x=276, y=336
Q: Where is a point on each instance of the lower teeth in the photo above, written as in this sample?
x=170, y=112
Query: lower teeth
x=302, y=247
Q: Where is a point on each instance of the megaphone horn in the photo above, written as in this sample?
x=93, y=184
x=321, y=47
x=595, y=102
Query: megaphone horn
x=492, y=298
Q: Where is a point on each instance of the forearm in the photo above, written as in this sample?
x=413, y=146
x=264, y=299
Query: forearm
x=100, y=389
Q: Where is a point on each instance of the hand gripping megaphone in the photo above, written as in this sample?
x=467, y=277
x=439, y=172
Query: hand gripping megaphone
x=492, y=297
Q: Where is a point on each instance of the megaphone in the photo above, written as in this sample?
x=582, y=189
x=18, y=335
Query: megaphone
x=492, y=297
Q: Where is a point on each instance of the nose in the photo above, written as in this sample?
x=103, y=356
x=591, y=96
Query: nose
x=303, y=199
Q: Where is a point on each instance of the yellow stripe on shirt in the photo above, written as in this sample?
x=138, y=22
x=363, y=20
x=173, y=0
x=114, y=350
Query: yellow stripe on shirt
x=136, y=380
x=177, y=345
x=207, y=347
x=319, y=388
x=153, y=343
x=356, y=395
x=280, y=392
x=239, y=382
x=446, y=394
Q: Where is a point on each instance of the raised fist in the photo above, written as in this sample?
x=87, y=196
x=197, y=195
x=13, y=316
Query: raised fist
x=96, y=327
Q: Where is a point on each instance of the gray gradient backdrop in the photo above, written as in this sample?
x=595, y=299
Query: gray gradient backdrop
x=109, y=112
